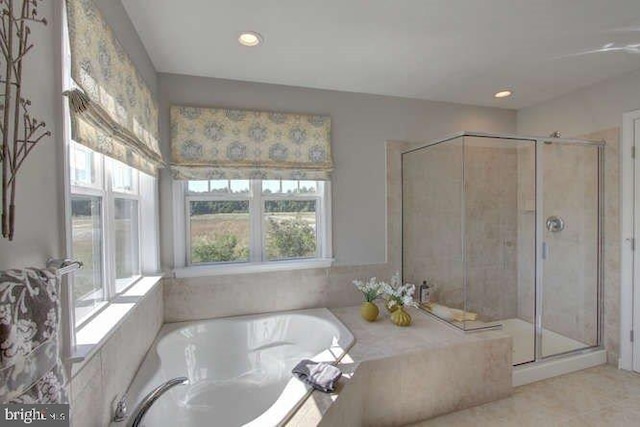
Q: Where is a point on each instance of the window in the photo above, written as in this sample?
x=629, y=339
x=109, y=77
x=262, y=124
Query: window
x=105, y=228
x=255, y=221
x=111, y=207
x=86, y=226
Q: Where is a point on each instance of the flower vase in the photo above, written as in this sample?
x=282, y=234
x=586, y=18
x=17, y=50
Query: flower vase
x=390, y=306
x=369, y=311
x=400, y=317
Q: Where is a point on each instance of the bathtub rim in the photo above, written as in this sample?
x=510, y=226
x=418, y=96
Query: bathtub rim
x=345, y=343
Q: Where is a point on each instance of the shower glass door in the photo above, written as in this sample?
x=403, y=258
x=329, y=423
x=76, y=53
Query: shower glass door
x=569, y=175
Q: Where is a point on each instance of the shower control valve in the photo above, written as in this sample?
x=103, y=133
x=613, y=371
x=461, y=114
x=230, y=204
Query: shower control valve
x=555, y=224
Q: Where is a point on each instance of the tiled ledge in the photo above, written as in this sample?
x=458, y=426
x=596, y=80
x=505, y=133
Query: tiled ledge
x=102, y=377
x=92, y=336
x=396, y=376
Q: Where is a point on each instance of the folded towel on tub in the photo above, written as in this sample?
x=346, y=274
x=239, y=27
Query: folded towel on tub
x=319, y=375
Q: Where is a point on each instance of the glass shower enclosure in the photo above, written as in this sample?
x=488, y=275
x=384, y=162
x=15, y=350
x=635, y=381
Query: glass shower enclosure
x=506, y=231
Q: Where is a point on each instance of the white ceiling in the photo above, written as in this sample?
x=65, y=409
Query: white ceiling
x=448, y=50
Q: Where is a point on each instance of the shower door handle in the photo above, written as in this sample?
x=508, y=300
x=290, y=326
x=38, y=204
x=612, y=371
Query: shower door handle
x=545, y=250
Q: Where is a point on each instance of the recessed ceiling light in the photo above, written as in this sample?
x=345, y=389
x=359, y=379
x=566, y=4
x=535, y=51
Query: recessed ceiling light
x=250, y=39
x=503, y=94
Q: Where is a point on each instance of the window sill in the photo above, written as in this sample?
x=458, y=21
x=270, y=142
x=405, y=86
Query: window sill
x=227, y=269
x=92, y=335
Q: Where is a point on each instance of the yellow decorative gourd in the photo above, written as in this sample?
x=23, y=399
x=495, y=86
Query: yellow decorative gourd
x=400, y=317
x=369, y=311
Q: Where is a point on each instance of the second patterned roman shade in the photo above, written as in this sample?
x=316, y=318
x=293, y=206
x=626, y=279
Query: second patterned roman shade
x=112, y=108
x=217, y=143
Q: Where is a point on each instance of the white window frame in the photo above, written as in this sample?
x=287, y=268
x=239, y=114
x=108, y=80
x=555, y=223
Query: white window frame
x=182, y=244
x=104, y=189
x=134, y=194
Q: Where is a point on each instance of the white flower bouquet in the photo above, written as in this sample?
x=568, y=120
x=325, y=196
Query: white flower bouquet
x=398, y=294
x=371, y=289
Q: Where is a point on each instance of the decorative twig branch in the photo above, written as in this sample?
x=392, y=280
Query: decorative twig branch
x=20, y=131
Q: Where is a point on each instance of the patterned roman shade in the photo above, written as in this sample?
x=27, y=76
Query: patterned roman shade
x=112, y=109
x=216, y=143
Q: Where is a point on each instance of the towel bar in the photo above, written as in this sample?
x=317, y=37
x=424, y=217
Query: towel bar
x=64, y=265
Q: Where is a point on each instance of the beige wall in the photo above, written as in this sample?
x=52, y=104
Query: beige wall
x=39, y=202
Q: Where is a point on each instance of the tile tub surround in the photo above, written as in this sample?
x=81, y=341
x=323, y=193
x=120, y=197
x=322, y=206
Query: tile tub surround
x=106, y=375
x=238, y=294
x=395, y=376
x=601, y=396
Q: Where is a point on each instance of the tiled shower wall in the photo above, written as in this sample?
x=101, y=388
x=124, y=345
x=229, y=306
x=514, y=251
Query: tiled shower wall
x=570, y=192
x=432, y=224
x=491, y=228
x=433, y=214
x=611, y=241
x=526, y=231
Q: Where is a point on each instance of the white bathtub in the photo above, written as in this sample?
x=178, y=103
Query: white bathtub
x=239, y=368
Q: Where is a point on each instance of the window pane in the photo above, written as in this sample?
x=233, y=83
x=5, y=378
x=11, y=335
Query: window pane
x=289, y=187
x=86, y=226
x=122, y=177
x=127, y=242
x=271, y=186
x=290, y=227
x=198, y=186
x=308, y=187
x=239, y=186
x=82, y=165
x=220, y=231
x=219, y=186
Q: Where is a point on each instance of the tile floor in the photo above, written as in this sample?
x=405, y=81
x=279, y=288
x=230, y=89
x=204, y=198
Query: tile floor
x=601, y=396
